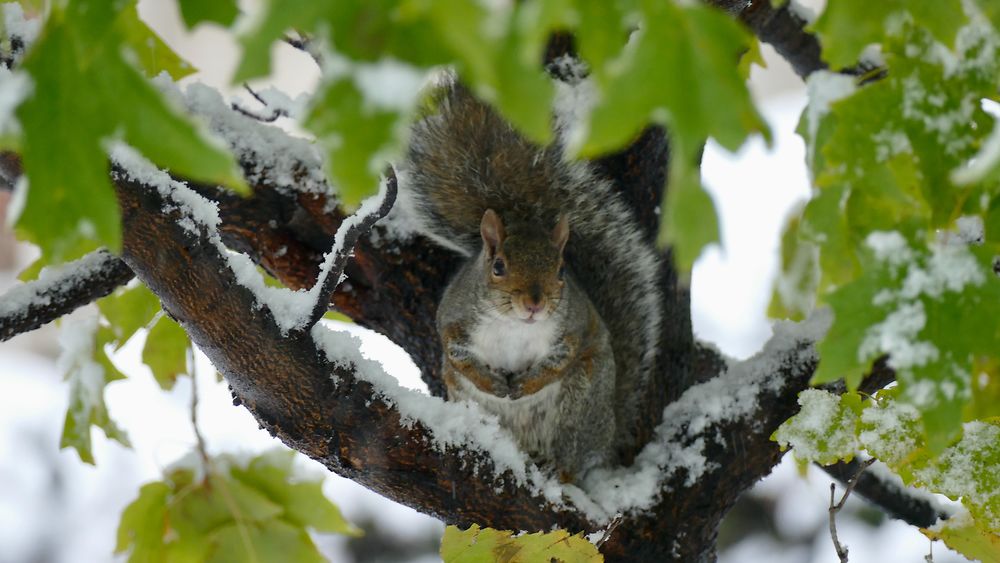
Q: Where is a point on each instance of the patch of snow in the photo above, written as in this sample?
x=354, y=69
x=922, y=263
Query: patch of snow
x=824, y=88
x=15, y=87
x=680, y=440
x=897, y=337
x=985, y=161
x=821, y=429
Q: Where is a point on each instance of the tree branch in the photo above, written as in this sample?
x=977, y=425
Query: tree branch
x=60, y=290
x=901, y=503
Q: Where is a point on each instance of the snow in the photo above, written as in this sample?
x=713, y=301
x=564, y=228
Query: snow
x=76, y=338
x=15, y=87
x=897, y=337
x=890, y=247
x=801, y=11
x=17, y=25
x=985, y=161
x=970, y=229
x=279, y=159
x=279, y=101
x=680, y=440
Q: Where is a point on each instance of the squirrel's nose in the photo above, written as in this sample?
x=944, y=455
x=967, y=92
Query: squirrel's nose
x=533, y=306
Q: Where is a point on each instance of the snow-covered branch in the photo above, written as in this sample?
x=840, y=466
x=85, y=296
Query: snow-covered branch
x=60, y=290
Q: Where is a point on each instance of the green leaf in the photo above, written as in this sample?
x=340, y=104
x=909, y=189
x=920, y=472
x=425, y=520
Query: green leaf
x=257, y=510
x=222, y=12
x=154, y=56
x=127, y=310
x=846, y=27
x=355, y=133
x=140, y=530
x=165, y=351
x=485, y=544
x=697, y=90
x=303, y=501
x=968, y=537
x=825, y=430
x=70, y=207
x=690, y=221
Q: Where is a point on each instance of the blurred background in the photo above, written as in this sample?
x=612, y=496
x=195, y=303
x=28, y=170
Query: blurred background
x=54, y=508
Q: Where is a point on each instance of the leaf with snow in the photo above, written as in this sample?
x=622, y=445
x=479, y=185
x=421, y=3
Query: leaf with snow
x=968, y=537
x=846, y=27
x=79, y=69
x=825, y=429
x=486, y=544
x=257, y=510
x=83, y=361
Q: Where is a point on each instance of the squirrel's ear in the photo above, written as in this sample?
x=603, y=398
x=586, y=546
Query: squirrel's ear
x=561, y=233
x=492, y=230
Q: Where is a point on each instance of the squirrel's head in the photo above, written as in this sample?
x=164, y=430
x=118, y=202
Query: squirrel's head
x=523, y=268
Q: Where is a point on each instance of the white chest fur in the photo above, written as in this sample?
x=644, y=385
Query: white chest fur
x=510, y=344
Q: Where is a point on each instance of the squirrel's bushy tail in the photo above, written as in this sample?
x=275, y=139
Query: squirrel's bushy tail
x=465, y=159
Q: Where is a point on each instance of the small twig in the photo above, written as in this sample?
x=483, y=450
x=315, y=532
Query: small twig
x=354, y=230
x=200, y=440
x=609, y=530
x=275, y=112
x=929, y=558
x=835, y=508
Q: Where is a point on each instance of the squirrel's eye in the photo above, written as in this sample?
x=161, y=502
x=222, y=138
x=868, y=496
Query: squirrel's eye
x=499, y=268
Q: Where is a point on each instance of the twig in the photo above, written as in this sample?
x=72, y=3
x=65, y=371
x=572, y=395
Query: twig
x=275, y=112
x=835, y=508
x=354, y=230
x=199, y=439
x=929, y=558
x=609, y=530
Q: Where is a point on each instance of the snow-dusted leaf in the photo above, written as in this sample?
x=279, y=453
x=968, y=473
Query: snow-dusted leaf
x=846, y=27
x=825, y=429
x=84, y=364
x=486, y=544
x=968, y=537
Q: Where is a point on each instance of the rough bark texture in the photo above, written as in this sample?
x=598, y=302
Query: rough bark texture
x=325, y=411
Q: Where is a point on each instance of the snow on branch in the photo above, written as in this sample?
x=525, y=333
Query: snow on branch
x=60, y=290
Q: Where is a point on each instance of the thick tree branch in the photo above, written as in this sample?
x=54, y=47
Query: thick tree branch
x=316, y=406
x=59, y=291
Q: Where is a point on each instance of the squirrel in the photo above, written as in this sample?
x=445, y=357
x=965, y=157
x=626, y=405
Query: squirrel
x=553, y=321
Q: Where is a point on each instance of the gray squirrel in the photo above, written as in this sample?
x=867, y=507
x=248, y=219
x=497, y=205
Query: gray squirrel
x=553, y=322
